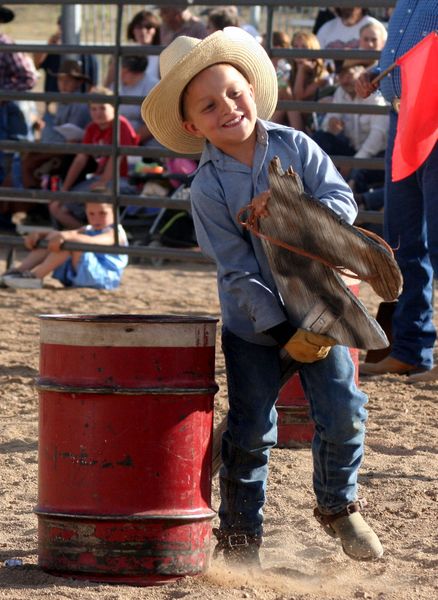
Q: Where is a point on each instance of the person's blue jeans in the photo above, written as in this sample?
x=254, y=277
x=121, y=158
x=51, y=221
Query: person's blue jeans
x=411, y=228
x=337, y=408
x=13, y=126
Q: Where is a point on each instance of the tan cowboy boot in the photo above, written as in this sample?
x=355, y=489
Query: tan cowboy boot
x=426, y=377
x=357, y=538
x=388, y=365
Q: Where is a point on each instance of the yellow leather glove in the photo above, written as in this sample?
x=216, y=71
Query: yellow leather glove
x=307, y=347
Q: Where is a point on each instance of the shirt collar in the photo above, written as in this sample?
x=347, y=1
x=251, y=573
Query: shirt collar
x=222, y=160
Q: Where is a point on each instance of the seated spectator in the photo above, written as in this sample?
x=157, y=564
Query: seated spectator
x=283, y=68
x=220, y=17
x=358, y=135
x=73, y=268
x=228, y=16
x=135, y=81
x=99, y=131
x=51, y=64
x=68, y=125
x=17, y=73
x=323, y=15
x=144, y=30
x=344, y=30
x=372, y=36
x=306, y=79
x=178, y=21
x=309, y=77
x=372, y=199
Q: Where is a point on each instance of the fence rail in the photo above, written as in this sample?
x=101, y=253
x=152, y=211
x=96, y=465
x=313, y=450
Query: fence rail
x=118, y=50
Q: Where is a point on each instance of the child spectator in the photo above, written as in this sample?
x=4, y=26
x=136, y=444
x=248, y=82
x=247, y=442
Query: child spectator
x=68, y=125
x=309, y=76
x=213, y=97
x=283, y=68
x=51, y=64
x=99, y=131
x=303, y=79
x=73, y=268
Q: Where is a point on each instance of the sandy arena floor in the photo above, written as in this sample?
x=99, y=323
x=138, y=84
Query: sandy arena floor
x=398, y=477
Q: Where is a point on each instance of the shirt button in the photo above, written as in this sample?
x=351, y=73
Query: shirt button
x=392, y=51
x=401, y=30
x=409, y=10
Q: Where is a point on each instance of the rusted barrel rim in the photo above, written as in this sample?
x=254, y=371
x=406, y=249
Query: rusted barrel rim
x=49, y=386
x=199, y=516
x=128, y=318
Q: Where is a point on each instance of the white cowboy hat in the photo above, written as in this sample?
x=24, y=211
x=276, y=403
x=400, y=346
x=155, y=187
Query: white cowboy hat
x=183, y=59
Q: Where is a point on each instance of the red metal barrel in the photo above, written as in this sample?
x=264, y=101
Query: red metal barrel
x=294, y=423
x=125, y=433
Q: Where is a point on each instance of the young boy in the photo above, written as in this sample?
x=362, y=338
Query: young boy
x=214, y=96
x=73, y=268
x=99, y=131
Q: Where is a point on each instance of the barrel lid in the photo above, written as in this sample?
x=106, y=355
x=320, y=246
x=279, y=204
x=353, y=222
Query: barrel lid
x=128, y=318
x=126, y=330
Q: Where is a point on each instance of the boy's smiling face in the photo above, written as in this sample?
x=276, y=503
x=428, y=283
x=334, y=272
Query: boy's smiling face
x=219, y=106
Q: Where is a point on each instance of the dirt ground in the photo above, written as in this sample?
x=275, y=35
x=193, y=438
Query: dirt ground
x=398, y=477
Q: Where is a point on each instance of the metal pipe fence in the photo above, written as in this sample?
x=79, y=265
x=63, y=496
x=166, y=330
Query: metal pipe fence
x=116, y=11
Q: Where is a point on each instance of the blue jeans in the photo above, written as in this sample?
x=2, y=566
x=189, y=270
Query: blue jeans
x=13, y=126
x=337, y=408
x=411, y=227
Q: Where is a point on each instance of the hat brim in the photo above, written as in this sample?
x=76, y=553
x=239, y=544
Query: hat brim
x=161, y=107
x=77, y=76
x=6, y=15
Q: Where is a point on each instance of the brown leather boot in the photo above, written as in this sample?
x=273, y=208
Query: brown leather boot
x=357, y=538
x=388, y=365
x=425, y=377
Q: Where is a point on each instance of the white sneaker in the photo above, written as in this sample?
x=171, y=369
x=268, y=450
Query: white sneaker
x=25, y=280
x=12, y=271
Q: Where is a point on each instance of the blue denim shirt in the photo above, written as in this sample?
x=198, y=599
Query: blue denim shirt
x=411, y=21
x=250, y=302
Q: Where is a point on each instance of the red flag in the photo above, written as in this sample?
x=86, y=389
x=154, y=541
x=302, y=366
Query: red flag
x=417, y=128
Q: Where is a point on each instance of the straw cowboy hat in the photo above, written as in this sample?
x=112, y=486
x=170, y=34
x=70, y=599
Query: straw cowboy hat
x=183, y=59
x=6, y=14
